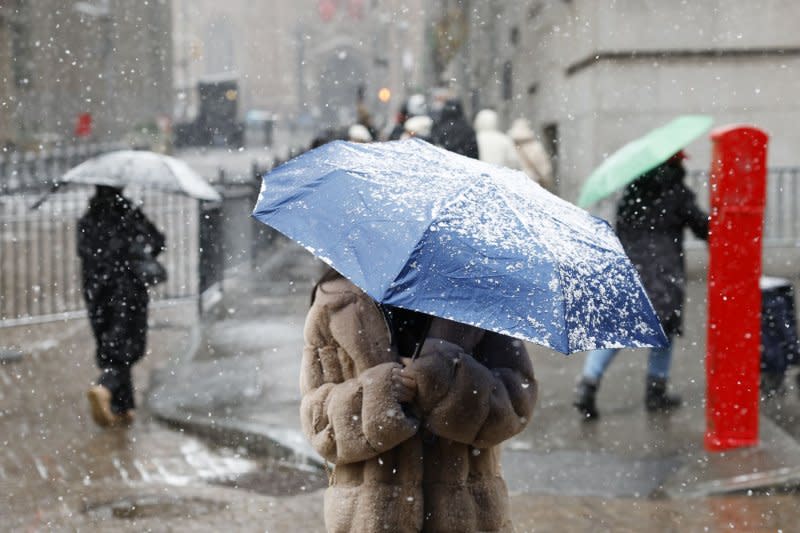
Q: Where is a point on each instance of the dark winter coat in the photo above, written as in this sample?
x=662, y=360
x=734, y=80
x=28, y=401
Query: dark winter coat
x=432, y=466
x=651, y=217
x=109, y=235
x=397, y=132
x=452, y=132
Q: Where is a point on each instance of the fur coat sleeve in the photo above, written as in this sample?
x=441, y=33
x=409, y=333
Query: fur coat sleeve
x=349, y=411
x=480, y=399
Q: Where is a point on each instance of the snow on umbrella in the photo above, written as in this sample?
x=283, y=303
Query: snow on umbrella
x=643, y=154
x=143, y=169
x=424, y=229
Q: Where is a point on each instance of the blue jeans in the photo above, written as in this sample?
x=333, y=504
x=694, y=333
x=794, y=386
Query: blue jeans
x=657, y=365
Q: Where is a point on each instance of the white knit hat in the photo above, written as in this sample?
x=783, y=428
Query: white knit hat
x=419, y=126
x=359, y=133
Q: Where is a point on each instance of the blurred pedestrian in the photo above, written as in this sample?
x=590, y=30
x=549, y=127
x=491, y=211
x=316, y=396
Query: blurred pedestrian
x=328, y=135
x=452, y=132
x=363, y=116
x=414, y=442
x=414, y=106
x=494, y=146
x=113, y=238
x=533, y=158
x=651, y=217
x=400, y=120
x=417, y=106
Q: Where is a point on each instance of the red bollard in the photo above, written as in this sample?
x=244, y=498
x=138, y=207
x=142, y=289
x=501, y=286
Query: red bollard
x=738, y=191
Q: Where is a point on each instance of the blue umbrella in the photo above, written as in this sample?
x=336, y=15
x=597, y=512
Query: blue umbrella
x=421, y=228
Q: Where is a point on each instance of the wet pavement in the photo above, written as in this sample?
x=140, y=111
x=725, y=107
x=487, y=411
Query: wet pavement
x=60, y=472
x=623, y=470
x=233, y=457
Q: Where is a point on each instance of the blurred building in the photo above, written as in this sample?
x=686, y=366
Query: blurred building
x=108, y=61
x=594, y=74
x=303, y=61
x=7, y=82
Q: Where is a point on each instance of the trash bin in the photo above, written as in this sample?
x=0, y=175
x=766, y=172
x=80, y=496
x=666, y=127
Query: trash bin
x=779, y=342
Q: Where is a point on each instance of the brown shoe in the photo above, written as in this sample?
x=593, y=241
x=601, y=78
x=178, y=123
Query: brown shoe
x=100, y=405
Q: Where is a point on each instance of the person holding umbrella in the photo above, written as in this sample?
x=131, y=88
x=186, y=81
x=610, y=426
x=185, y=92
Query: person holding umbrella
x=394, y=427
x=651, y=217
x=411, y=229
x=118, y=245
x=114, y=237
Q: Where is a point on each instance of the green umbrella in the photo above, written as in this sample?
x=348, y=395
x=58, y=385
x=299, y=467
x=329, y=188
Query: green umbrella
x=641, y=155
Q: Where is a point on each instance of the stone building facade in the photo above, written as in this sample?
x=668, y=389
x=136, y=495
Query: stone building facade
x=594, y=74
x=108, y=58
x=303, y=60
x=7, y=81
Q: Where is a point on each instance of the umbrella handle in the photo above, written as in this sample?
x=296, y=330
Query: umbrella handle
x=418, y=346
x=45, y=196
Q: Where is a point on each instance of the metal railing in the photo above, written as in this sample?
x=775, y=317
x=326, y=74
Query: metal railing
x=40, y=272
x=40, y=278
x=32, y=171
x=782, y=214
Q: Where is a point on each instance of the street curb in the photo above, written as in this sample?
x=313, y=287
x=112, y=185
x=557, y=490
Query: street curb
x=770, y=465
x=278, y=442
x=256, y=440
x=275, y=442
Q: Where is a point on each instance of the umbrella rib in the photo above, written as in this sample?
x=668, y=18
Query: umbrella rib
x=557, y=269
x=455, y=197
x=171, y=172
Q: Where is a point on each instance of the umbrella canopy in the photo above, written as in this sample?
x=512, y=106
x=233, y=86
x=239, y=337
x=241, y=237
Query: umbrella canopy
x=144, y=169
x=424, y=229
x=641, y=155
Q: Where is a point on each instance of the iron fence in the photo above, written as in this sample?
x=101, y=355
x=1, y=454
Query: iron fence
x=33, y=171
x=40, y=270
x=782, y=213
x=40, y=276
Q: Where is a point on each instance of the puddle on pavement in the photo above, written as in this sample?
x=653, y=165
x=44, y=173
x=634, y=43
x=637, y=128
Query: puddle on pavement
x=150, y=506
x=263, y=475
x=276, y=479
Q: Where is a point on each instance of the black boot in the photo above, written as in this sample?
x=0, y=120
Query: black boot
x=584, y=398
x=656, y=397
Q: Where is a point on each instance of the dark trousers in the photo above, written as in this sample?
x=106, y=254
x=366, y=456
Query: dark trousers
x=118, y=315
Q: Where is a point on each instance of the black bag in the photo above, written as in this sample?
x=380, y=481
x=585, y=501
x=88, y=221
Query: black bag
x=779, y=337
x=146, y=268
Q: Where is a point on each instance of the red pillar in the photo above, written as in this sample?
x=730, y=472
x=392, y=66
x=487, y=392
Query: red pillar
x=738, y=190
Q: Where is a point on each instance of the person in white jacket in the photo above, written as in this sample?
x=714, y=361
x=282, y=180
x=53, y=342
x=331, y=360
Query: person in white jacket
x=532, y=156
x=494, y=146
